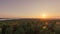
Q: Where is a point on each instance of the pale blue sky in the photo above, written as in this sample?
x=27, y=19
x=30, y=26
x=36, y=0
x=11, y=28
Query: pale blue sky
x=29, y=8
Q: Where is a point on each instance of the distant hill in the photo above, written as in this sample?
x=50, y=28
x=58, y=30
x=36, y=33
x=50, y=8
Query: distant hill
x=4, y=18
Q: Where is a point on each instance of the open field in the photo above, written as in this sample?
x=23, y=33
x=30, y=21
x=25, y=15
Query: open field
x=30, y=26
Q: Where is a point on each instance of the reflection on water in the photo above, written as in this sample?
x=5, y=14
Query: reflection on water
x=5, y=19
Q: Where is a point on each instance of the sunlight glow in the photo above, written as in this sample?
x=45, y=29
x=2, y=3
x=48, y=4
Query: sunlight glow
x=44, y=16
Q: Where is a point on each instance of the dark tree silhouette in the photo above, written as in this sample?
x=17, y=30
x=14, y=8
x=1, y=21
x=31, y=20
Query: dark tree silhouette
x=4, y=27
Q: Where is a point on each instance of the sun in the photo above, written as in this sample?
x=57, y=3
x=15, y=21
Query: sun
x=44, y=15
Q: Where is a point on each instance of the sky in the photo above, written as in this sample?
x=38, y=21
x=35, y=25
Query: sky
x=29, y=8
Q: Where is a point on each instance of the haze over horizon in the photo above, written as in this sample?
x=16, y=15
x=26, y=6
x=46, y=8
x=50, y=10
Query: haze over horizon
x=29, y=8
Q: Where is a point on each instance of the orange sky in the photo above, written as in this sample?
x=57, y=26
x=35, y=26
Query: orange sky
x=29, y=8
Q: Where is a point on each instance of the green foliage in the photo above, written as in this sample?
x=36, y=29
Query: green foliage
x=27, y=27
